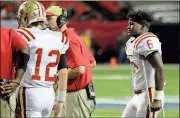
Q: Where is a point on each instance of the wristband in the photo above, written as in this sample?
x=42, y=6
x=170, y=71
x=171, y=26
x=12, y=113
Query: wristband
x=62, y=96
x=159, y=95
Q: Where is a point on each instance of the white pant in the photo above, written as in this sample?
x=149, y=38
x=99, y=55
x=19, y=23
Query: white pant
x=137, y=107
x=35, y=102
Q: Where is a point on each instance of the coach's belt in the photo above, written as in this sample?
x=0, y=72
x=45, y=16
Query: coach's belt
x=71, y=91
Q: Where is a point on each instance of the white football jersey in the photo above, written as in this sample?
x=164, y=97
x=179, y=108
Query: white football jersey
x=46, y=47
x=137, y=48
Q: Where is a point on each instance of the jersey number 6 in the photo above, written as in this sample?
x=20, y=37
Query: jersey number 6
x=150, y=44
x=36, y=76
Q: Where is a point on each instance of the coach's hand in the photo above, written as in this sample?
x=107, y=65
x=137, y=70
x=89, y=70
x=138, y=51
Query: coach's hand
x=156, y=105
x=9, y=89
x=58, y=109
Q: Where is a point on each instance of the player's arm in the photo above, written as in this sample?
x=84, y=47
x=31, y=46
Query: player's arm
x=152, y=54
x=62, y=65
x=62, y=84
x=155, y=60
x=22, y=52
x=62, y=73
x=22, y=60
x=77, y=67
x=151, y=49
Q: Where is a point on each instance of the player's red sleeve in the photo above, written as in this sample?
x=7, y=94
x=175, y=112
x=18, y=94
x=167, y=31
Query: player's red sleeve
x=74, y=56
x=17, y=41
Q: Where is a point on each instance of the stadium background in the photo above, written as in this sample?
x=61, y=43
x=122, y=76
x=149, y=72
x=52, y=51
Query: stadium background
x=102, y=24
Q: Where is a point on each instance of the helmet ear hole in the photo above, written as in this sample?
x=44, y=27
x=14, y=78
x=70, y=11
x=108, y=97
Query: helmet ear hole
x=25, y=18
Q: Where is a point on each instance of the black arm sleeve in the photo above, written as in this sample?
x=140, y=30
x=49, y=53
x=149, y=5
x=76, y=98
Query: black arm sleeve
x=62, y=62
x=22, y=60
x=148, y=56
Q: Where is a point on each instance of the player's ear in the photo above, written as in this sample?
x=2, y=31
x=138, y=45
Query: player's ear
x=142, y=27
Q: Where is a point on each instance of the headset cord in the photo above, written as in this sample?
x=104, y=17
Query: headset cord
x=8, y=102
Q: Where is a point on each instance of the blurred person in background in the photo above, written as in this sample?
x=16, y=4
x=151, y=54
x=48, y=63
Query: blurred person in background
x=125, y=7
x=86, y=36
x=90, y=16
x=122, y=39
x=36, y=96
x=80, y=91
x=9, y=9
x=144, y=52
x=11, y=44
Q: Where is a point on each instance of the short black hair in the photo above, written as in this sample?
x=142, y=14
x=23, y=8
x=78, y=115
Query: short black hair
x=139, y=16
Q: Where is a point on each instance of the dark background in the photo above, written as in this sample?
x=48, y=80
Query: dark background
x=107, y=19
x=169, y=37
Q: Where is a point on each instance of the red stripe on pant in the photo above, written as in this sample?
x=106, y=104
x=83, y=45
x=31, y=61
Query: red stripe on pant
x=150, y=97
x=24, y=101
x=21, y=104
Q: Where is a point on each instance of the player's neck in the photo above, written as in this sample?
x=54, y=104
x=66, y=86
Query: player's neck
x=140, y=34
x=136, y=35
x=39, y=25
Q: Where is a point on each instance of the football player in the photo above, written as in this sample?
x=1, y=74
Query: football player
x=47, y=54
x=144, y=52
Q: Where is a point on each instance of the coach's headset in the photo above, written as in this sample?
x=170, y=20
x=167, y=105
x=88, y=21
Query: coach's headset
x=62, y=19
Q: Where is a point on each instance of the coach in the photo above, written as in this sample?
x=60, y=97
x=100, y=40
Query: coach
x=80, y=90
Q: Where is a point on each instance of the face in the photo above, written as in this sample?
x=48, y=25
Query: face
x=51, y=22
x=21, y=23
x=134, y=28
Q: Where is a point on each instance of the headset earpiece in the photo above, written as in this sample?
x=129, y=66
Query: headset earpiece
x=62, y=19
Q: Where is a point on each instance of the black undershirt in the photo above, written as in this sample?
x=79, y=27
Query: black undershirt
x=62, y=62
x=151, y=54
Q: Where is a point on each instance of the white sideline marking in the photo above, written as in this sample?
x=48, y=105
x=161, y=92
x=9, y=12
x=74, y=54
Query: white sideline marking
x=125, y=100
x=127, y=67
x=111, y=77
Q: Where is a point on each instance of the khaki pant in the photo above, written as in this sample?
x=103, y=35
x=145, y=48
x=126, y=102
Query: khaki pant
x=77, y=105
x=6, y=112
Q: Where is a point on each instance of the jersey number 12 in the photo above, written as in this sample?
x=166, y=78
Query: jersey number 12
x=36, y=75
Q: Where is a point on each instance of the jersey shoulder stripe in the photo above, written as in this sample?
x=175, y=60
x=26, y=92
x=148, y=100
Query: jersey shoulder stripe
x=140, y=36
x=29, y=36
x=144, y=36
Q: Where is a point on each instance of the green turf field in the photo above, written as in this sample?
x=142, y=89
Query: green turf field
x=116, y=84
x=109, y=86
